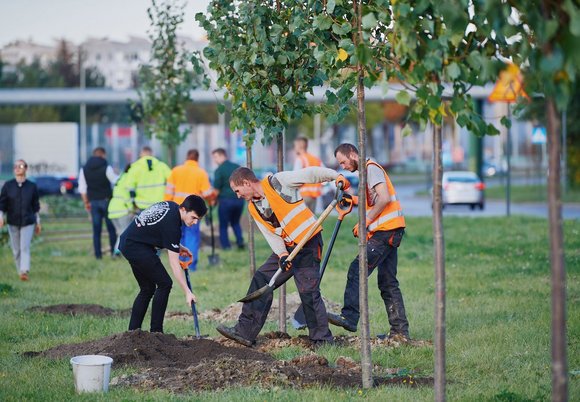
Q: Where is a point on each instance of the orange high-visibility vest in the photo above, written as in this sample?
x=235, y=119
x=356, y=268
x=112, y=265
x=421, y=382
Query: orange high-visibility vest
x=312, y=190
x=392, y=216
x=295, y=218
x=185, y=180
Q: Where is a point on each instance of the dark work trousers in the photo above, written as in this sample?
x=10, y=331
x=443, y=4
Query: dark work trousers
x=229, y=214
x=305, y=269
x=154, y=282
x=381, y=253
x=98, y=213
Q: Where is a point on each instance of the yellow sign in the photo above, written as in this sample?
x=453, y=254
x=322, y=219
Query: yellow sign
x=509, y=86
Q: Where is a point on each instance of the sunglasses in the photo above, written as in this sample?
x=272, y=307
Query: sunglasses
x=21, y=166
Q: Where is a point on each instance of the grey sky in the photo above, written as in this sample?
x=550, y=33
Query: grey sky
x=44, y=21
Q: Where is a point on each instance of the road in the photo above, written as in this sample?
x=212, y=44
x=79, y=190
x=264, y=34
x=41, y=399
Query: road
x=421, y=206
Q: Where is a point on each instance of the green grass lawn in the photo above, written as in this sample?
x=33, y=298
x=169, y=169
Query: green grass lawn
x=498, y=312
x=535, y=193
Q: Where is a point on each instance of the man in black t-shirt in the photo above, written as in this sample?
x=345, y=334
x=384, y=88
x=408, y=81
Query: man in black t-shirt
x=157, y=227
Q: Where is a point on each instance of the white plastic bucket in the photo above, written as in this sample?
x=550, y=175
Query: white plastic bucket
x=91, y=373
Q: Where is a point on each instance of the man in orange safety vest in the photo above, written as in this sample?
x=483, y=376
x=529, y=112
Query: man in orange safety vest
x=309, y=191
x=385, y=225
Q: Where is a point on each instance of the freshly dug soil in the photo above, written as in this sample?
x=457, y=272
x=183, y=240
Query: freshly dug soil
x=76, y=309
x=231, y=312
x=152, y=350
x=186, y=365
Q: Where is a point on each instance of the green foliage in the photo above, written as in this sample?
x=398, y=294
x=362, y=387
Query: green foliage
x=545, y=43
x=166, y=82
x=264, y=58
x=439, y=43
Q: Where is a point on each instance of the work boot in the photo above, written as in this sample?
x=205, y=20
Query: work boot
x=395, y=337
x=340, y=321
x=24, y=276
x=230, y=333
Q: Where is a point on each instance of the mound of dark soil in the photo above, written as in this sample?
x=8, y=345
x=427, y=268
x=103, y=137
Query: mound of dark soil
x=155, y=350
x=77, y=309
x=186, y=365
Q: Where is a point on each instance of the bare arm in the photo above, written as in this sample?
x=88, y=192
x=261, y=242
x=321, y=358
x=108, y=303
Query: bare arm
x=180, y=277
x=380, y=203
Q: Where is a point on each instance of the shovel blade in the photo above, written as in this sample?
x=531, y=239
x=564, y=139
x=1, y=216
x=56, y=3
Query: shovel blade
x=213, y=259
x=257, y=294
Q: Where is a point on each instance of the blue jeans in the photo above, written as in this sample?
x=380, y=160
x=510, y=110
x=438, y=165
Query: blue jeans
x=98, y=213
x=229, y=213
x=190, y=238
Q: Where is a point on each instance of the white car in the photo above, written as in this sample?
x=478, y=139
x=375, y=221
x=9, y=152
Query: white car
x=463, y=188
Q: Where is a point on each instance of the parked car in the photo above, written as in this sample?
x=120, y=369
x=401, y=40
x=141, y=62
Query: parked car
x=55, y=185
x=463, y=188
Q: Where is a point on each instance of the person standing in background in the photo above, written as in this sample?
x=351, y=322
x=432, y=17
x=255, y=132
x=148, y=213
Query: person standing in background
x=96, y=179
x=19, y=207
x=184, y=180
x=310, y=192
x=121, y=207
x=230, y=207
x=146, y=179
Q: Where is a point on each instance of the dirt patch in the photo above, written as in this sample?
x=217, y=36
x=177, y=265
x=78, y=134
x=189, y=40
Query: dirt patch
x=152, y=350
x=78, y=309
x=231, y=312
x=186, y=365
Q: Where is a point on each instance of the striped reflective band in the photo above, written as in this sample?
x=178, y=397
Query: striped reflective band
x=150, y=185
x=385, y=218
x=295, y=211
x=304, y=226
x=393, y=197
x=181, y=194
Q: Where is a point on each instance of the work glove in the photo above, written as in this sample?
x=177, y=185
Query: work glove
x=284, y=263
x=344, y=181
x=347, y=198
x=355, y=232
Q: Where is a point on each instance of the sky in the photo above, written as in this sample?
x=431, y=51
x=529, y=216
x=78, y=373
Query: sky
x=44, y=21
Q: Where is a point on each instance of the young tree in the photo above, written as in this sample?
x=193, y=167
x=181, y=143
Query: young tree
x=167, y=81
x=264, y=59
x=545, y=43
x=434, y=44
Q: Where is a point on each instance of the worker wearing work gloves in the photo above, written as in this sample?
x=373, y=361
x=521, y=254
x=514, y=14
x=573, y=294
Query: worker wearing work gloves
x=385, y=226
x=157, y=227
x=283, y=218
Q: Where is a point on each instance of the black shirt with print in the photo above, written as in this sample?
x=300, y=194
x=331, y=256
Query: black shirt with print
x=158, y=226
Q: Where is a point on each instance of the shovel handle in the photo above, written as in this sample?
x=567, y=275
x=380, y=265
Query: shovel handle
x=316, y=225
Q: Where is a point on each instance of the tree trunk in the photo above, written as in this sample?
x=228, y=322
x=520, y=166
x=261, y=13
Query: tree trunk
x=559, y=363
x=439, y=248
x=365, y=354
x=251, y=242
x=282, y=294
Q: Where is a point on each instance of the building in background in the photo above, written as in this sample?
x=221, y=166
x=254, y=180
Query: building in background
x=118, y=62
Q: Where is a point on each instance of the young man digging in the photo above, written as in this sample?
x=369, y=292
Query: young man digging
x=157, y=227
x=284, y=220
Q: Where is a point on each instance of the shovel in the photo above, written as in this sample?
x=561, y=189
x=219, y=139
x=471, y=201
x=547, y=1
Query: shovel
x=184, y=266
x=213, y=258
x=344, y=207
x=269, y=288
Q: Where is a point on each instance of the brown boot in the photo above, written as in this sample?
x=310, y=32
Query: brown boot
x=24, y=276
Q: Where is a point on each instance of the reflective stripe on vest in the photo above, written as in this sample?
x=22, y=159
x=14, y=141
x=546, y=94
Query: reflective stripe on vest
x=392, y=216
x=312, y=190
x=295, y=218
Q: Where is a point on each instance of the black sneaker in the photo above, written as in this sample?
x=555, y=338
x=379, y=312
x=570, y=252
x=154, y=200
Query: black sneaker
x=230, y=333
x=340, y=321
